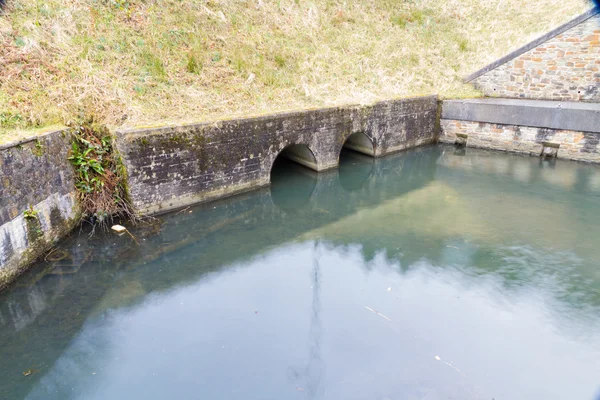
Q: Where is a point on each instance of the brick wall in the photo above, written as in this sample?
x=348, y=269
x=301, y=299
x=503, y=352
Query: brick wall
x=566, y=66
x=572, y=145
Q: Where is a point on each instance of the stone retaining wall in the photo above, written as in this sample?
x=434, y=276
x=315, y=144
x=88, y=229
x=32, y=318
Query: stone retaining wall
x=35, y=175
x=562, y=65
x=572, y=145
x=172, y=167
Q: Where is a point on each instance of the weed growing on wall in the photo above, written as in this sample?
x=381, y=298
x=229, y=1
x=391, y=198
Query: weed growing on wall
x=34, y=227
x=99, y=176
x=30, y=213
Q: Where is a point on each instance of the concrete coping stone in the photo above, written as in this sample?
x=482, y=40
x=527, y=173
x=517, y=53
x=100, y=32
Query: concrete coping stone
x=139, y=131
x=31, y=138
x=560, y=115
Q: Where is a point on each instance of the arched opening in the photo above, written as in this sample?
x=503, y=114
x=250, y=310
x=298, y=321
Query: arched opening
x=356, y=161
x=293, y=178
x=360, y=143
x=299, y=153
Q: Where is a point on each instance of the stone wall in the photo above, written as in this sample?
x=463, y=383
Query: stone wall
x=572, y=145
x=35, y=175
x=562, y=65
x=172, y=167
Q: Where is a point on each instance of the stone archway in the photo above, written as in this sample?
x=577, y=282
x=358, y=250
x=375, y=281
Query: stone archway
x=361, y=143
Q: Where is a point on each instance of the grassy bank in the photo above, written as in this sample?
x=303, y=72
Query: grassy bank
x=137, y=62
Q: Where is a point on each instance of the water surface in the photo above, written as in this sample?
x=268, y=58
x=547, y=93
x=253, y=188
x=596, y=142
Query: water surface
x=437, y=273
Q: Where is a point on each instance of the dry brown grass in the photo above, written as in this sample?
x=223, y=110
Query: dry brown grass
x=137, y=62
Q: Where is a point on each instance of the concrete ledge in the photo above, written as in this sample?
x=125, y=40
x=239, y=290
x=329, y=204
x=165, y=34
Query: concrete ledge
x=582, y=117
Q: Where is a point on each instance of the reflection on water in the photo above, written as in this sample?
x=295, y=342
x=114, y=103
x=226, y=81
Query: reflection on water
x=432, y=274
x=355, y=170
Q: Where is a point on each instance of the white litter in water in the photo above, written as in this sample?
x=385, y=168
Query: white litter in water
x=118, y=228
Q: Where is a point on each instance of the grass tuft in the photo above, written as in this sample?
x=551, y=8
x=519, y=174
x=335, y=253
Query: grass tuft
x=193, y=66
x=99, y=178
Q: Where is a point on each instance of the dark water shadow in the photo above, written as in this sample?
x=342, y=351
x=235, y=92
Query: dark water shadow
x=355, y=169
x=292, y=185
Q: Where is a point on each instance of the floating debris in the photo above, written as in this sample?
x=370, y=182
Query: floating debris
x=121, y=229
x=30, y=371
x=378, y=313
x=133, y=237
x=118, y=228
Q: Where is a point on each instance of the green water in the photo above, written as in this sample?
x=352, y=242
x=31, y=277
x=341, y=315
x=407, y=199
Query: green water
x=433, y=274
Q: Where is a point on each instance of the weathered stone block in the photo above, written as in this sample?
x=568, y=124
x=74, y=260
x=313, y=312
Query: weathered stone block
x=36, y=176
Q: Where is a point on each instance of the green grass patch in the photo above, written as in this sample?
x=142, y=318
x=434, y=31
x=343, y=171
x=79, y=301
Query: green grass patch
x=99, y=176
x=137, y=62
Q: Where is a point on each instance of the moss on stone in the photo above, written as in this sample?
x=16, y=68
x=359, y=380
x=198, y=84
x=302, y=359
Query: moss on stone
x=34, y=230
x=56, y=218
x=38, y=148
